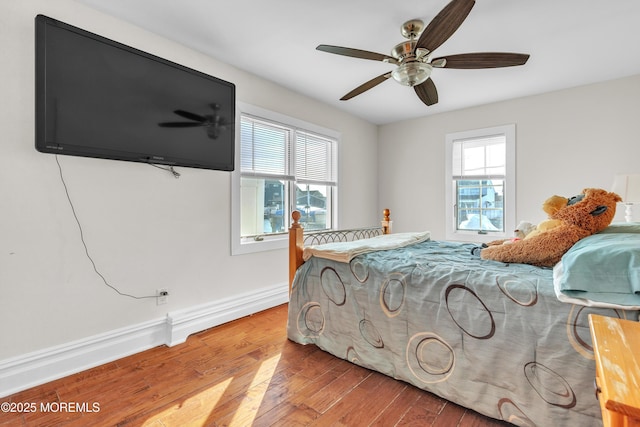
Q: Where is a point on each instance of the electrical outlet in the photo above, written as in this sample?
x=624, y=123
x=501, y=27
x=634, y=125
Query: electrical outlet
x=162, y=295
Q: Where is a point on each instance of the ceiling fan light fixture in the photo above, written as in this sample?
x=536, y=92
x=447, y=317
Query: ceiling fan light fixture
x=412, y=73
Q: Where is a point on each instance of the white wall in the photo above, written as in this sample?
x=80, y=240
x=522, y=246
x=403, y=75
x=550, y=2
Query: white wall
x=566, y=141
x=144, y=229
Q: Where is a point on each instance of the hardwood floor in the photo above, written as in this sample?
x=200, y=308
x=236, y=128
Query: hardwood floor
x=239, y=374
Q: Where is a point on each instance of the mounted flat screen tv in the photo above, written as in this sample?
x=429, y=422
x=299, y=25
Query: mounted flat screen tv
x=99, y=98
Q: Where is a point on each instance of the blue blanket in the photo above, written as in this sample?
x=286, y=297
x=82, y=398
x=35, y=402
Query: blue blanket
x=489, y=336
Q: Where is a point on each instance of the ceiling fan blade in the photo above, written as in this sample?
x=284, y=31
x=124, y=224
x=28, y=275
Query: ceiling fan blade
x=445, y=24
x=366, y=86
x=484, y=60
x=427, y=92
x=356, y=53
x=181, y=124
x=190, y=116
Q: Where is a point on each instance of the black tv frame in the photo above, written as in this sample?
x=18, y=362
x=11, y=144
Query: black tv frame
x=154, y=90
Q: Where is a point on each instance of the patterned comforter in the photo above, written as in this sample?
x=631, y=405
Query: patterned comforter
x=489, y=336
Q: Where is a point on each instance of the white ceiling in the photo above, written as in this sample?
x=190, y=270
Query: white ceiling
x=571, y=43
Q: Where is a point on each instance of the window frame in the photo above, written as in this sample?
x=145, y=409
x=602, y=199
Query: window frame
x=509, y=203
x=240, y=246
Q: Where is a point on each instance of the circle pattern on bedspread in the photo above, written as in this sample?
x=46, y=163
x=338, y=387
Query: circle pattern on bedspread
x=578, y=328
x=510, y=412
x=359, y=269
x=311, y=320
x=392, y=293
x=371, y=334
x=482, y=326
x=429, y=358
x=550, y=386
x=352, y=355
x=522, y=292
x=332, y=286
x=576, y=322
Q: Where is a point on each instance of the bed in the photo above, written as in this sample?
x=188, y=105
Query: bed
x=489, y=336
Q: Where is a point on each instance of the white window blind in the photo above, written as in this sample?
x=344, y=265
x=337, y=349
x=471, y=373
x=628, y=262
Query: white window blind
x=265, y=149
x=315, y=159
x=479, y=158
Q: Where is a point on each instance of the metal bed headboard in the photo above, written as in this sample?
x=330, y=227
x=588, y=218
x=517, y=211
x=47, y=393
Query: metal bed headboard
x=331, y=236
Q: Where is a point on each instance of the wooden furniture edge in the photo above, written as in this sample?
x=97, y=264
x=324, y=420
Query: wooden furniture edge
x=615, y=346
x=296, y=241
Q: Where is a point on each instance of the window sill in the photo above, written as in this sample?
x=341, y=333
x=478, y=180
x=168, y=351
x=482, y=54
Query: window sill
x=253, y=246
x=474, y=237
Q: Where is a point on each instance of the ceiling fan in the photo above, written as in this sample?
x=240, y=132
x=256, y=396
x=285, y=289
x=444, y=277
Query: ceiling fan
x=213, y=122
x=414, y=57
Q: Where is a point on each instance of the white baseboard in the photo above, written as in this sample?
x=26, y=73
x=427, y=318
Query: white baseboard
x=32, y=369
x=183, y=323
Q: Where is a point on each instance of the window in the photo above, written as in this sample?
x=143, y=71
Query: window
x=284, y=165
x=480, y=193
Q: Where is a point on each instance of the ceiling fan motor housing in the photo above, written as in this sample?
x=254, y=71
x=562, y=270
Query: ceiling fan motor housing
x=404, y=50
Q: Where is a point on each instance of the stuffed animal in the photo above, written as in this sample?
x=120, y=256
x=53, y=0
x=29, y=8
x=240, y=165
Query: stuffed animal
x=523, y=230
x=586, y=214
x=527, y=230
x=552, y=205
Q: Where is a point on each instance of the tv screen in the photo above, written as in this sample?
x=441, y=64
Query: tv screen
x=99, y=98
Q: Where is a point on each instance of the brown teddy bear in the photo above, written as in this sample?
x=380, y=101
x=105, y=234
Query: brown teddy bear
x=526, y=230
x=583, y=215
